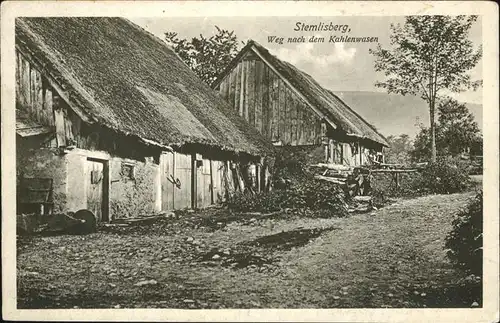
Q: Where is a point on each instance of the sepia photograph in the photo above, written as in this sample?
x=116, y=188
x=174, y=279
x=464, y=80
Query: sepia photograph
x=207, y=162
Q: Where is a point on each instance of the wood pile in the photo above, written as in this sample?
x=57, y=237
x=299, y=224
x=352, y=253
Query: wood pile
x=354, y=180
x=334, y=173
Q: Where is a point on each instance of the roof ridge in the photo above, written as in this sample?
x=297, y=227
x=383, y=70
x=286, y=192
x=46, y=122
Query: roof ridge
x=229, y=66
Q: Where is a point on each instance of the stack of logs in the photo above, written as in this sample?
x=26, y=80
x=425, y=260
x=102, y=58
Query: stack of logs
x=355, y=180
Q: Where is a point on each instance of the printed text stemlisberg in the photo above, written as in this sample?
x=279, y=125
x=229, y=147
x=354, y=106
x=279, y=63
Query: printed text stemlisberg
x=301, y=26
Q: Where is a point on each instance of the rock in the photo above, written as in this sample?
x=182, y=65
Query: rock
x=336, y=297
x=190, y=239
x=215, y=257
x=146, y=282
x=197, y=242
x=226, y=252
x=416, y=292
x=423, y=294
x=390, y=295
x=188, y=301
x=475, y=304
x=112, y=285
x=117, y=306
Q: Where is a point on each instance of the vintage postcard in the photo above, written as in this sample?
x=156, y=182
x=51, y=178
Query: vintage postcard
x=250, y=161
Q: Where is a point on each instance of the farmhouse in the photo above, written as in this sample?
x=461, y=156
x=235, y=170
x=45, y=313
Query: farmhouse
x=108, y=118
x=289, y=107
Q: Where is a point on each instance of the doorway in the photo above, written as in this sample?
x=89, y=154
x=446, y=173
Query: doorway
x=97, y=183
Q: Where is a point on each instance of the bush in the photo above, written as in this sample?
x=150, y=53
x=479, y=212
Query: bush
x=258, y=202
x=444, y=177
x=310, y=194
x=465, y=240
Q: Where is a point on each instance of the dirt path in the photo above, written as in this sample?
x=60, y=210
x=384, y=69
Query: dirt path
x=390, y=258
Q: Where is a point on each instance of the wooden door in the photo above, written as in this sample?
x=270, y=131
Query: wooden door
x=96, y=177
x=217, y=181
x=182, y=174
x=168, y=181
x=204, y=179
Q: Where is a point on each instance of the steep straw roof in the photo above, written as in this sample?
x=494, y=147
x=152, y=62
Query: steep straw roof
x=118, y=75
x=324, y=100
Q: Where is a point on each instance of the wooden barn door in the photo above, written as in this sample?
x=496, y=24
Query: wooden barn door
x=168, y=181
x=97, y=188
x=204, y=179
x=182, y=174
x=218, y=189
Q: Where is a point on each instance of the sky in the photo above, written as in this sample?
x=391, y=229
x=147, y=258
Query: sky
x=336, y=66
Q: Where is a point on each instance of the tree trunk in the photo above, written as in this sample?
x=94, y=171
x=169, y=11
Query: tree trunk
x=433, y=130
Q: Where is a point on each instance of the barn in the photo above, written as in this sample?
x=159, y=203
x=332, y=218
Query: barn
x=290, y=108
x=108, y=118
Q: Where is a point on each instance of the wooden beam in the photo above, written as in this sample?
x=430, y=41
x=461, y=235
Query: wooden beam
x=212, y=186
x=194, y=182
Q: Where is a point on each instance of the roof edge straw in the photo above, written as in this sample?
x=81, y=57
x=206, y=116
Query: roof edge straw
x=154, y=143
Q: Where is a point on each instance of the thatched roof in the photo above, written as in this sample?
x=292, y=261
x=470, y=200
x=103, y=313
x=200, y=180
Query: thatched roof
x=118, y=75
x=330, y=106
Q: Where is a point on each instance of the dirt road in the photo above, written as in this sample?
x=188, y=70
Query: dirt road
x=392, y=257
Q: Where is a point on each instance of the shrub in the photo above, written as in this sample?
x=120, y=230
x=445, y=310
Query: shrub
x=443, y=177
x=310, y=194
x=259, y=202
x=465, y=240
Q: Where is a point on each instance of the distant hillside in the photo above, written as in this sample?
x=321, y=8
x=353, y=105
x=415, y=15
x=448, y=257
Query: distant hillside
x=395, y=114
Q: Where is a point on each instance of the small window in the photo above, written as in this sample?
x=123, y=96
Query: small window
x=127, y=171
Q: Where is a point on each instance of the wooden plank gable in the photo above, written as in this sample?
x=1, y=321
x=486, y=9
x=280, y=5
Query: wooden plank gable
x=269, y=103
